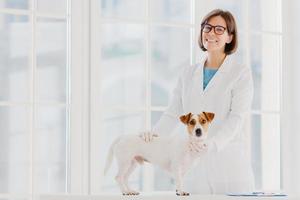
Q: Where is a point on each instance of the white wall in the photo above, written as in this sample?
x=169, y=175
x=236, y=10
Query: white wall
x=291, y=97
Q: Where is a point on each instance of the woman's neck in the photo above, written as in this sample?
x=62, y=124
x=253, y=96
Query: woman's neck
x=215, y=59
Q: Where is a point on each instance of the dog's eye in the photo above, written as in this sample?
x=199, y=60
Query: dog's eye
x=192, y=122
x=203, y=121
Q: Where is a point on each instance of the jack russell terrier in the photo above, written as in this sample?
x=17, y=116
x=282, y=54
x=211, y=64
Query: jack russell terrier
x=171, y=153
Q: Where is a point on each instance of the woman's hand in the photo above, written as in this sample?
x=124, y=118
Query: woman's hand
x=205, y=146
x=148, y=136
x=197, y=146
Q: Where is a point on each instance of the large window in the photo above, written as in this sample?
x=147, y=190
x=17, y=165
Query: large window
x=65, y=97
x=34, y=96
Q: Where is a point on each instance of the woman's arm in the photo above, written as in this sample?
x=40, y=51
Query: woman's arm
x=242, y=95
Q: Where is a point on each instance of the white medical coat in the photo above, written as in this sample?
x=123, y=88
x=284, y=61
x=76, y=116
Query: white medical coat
x=229, y=95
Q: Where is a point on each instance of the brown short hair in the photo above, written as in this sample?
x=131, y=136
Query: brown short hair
x=231, y=29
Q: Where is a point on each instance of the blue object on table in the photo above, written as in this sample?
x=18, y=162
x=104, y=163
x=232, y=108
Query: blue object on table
x=258, y=194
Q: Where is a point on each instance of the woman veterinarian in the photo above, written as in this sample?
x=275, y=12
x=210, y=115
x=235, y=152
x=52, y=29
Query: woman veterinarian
x=220, y=85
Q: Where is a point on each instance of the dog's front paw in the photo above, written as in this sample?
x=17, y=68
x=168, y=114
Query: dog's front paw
x=130, y=192
x=182, y=193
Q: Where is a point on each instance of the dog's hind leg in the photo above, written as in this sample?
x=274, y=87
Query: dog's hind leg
x=128, y=173
x=120, y=178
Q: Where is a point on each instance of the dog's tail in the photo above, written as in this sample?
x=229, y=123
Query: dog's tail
x=110, y=156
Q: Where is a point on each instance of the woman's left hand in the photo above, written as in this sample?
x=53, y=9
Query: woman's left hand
x=197, y=146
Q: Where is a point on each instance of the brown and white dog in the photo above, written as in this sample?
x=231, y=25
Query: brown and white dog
x=171, y=153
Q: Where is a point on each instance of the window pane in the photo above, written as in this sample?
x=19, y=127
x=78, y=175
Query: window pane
x=123, y=65
x=155, y=116
x=265, y=19
x=52, y=6
x=168, y=61
x=162, y=180
x=171, y=10
x=50, y=146
x=266, y=151
x=123, y=8
x=15, y=45
x=116, y=123
x=236, y=7
x=265, y=62
x=15, y=153
x=240, y=54
x=19, y=4
x=256, y=150
x=51, y=60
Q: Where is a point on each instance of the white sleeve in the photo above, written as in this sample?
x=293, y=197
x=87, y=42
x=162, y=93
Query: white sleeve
x=170, y=118
x=241, y=100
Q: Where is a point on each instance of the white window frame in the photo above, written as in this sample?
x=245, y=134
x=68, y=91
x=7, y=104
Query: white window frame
x=79, y=149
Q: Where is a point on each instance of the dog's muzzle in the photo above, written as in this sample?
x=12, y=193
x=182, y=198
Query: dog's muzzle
x=198, y=132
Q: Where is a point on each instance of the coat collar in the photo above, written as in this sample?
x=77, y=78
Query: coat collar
x=223, y=69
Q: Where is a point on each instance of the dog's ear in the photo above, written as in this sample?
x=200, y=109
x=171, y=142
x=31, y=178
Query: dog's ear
x=209, y=116
x=185, y=118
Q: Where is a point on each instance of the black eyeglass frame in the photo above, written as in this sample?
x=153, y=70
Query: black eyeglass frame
x=213, y=27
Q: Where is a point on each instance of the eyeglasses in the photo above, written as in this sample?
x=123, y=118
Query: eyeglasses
x=219, y=30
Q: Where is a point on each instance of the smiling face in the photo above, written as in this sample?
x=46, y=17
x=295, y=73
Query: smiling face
x=213, y=40
x=197, y=125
